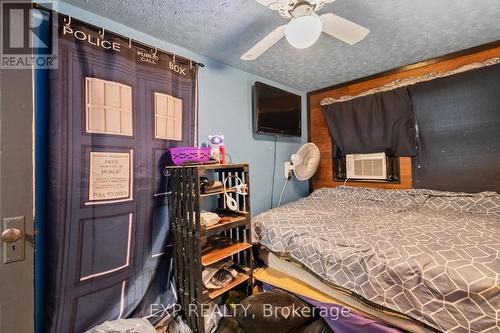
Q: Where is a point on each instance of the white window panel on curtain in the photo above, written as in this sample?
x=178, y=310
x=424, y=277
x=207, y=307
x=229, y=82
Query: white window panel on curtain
x=108, y=107
x=168, y=117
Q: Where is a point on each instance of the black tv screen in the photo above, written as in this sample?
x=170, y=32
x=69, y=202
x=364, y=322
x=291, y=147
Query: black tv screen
x=276, y=111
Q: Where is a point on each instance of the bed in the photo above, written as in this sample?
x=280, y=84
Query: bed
x=433, y=257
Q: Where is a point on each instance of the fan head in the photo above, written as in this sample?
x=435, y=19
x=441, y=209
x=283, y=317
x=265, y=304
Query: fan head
x=304, y=163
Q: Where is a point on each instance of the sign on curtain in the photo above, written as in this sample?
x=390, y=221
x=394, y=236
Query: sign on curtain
x=115, y=110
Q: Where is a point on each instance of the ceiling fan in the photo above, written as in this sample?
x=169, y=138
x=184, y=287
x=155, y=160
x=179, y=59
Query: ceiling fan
x=305, y=26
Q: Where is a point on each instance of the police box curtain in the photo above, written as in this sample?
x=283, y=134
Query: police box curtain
x=380, y=122
x=116, y=107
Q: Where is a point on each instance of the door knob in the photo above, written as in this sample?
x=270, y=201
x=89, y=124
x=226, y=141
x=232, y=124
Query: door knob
x=11, y=235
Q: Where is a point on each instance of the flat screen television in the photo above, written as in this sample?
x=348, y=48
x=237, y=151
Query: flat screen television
x=276, y=111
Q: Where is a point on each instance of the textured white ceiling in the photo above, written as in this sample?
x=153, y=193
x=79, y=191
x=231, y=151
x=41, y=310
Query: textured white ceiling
x=402, y=32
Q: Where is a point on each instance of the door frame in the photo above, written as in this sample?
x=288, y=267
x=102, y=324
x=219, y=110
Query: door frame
x=16, y=197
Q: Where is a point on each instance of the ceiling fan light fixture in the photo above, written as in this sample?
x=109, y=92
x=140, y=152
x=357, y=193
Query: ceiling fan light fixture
x=305, y=26
x=303, y=31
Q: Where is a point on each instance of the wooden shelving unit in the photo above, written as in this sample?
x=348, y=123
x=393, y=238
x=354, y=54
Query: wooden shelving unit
x=196, y=246
x=222, y=248
x=228, y=221
x=236, y=282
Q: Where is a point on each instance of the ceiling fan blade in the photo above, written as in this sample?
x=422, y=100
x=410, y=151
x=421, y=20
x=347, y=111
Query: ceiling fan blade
x=343, y=29
x=318, y=4
x=282, y=6
x=264, y=44
x=273, y=4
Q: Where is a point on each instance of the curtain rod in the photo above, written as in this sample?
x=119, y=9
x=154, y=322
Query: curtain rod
x=411, y=80
x=132, y=41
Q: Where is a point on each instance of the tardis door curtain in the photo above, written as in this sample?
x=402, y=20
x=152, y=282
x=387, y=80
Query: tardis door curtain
x=115, y=110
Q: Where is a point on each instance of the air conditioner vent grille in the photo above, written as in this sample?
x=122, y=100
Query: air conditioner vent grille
x=367, y=166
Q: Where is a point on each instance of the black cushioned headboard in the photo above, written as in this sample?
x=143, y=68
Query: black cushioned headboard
x=459, y=127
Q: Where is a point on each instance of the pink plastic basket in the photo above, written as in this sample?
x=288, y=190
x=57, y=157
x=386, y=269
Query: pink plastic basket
x=189, y=155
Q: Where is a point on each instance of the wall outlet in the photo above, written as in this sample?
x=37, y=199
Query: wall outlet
x=288, y=169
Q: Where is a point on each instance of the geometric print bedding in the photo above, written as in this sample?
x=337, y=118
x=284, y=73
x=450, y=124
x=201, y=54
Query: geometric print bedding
x=434, y=256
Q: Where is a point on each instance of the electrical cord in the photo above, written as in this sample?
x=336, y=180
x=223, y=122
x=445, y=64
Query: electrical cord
x=241, y=189
x=283, y=191
x=274, y=169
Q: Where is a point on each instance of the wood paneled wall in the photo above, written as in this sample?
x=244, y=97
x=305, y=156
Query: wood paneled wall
x=318, y=130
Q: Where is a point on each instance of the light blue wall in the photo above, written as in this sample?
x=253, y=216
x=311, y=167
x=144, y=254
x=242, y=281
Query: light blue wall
x=225, y=107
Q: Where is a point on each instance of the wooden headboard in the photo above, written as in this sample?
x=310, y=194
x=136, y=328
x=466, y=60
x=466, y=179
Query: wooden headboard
x=318, y=130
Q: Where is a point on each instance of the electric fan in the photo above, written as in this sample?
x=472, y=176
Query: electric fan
x=305, y=26
x=304, y=164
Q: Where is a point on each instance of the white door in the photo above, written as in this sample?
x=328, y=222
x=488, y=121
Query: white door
x=16, y=202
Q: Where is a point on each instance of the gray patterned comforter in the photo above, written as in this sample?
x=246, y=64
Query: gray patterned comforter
x=434, y=256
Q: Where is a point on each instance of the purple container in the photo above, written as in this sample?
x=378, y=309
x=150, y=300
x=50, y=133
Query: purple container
x=189, y=155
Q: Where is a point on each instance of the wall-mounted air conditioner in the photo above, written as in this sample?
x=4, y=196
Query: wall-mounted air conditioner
x=366, y=166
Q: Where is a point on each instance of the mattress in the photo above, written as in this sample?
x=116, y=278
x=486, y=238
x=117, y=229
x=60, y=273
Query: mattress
x=432, y=256
x=288, y=275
